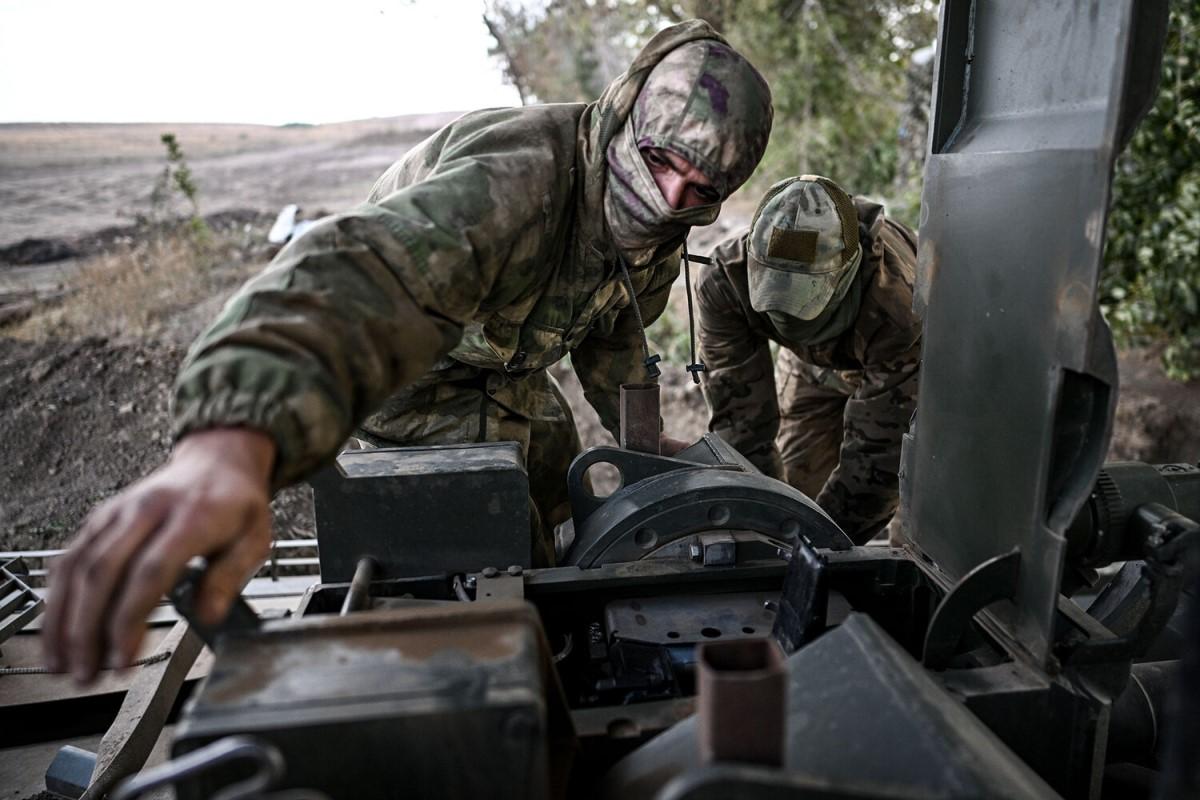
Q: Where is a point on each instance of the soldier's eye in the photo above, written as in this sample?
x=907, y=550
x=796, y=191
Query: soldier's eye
x=654, y=159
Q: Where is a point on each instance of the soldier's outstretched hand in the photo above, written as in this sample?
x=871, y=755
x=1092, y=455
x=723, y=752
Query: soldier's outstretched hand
x=210, y=499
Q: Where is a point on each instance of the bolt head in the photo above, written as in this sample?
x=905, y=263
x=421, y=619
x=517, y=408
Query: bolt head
x=490, y=572
x=515, y=570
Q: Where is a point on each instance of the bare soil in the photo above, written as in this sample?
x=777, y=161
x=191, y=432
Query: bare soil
x=96, y=315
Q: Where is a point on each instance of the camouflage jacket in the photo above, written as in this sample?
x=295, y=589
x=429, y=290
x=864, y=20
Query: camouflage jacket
x=484, y=248
x=883, y=347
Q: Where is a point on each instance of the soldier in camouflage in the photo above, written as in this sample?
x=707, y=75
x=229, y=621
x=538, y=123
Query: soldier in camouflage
x=504, y=242
x=829, y=280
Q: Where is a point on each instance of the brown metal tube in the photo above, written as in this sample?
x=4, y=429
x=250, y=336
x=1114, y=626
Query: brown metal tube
x=358, y=596
x=640, y=424
x=742, y=701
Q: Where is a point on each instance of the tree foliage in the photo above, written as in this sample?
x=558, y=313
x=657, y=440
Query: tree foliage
x=564, y=51
x=851, y=82
x=850, y=101
x=1151, y=280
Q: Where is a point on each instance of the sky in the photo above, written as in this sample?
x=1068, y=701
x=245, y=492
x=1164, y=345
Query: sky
x=255, y=61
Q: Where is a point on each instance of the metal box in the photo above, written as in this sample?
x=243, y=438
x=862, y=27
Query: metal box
x=427, y=702
x=423, y=510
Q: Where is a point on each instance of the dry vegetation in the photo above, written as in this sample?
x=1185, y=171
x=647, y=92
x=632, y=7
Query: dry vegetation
x=128, y=292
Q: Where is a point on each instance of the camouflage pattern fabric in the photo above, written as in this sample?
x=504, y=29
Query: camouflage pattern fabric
x=480, y=259
x=845, y=403
x=695, y=103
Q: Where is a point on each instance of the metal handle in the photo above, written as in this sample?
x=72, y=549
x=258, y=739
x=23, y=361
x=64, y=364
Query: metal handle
x=239, y=619
x=268, y=762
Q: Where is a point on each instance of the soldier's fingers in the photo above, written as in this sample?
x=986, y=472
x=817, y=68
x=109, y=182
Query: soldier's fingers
x=191, y=530
x=97, y=570
x=228, y=571
x=60, y=571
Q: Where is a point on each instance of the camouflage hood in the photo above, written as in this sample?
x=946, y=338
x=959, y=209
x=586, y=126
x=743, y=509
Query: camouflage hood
x=688, y=92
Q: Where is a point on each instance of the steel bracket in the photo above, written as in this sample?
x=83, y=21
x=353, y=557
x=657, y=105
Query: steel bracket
x=994, y=579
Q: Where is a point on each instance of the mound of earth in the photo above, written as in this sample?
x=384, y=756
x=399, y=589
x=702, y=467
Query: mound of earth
x=81, y=419
x=35, y=250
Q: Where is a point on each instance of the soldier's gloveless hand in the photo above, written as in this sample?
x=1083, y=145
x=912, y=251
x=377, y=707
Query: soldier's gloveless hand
x=210, y=499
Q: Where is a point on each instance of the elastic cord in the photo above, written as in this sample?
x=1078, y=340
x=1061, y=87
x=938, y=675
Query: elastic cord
x=650, y=362
x=696, y=366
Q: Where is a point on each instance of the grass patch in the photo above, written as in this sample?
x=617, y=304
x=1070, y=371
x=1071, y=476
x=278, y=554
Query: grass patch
x=135, y=289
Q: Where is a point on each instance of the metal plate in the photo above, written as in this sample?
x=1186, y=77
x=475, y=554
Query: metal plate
x=864, y=720
x=1018, y=380
x=691, y=619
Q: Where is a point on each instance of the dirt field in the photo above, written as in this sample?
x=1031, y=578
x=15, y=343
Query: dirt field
x=61, y=181
x=90, y=340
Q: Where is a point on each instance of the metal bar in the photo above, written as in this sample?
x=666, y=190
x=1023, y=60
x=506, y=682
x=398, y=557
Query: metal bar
x=742, y=701
x=281, y=544
x=640, y=424
x=11, y=554
x=128, y=742
x=358, y=596
x=18, y=621
x=19, y=604
x=11, y=602
x=305, y=561
x=308, y=561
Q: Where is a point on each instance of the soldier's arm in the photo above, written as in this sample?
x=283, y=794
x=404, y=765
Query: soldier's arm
x=612, y=352
x=739, y=384
x=362, y=304
x=863, y=490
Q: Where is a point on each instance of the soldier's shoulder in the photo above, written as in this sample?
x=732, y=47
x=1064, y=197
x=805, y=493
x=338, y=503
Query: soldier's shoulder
x=545, y=117
x=724, y=280
x=530, y=144
x=890, y=292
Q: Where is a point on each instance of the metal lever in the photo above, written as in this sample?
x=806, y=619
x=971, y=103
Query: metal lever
x=239, y=619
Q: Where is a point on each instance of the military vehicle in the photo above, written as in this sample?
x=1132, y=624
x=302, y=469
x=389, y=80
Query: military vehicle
x=710, y=632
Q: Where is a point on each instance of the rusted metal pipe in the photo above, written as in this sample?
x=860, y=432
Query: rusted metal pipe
x=640, y=424
x=358, y=596
x=742, y=701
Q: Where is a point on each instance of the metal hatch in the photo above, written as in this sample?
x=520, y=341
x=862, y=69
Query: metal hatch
x=1032, y=102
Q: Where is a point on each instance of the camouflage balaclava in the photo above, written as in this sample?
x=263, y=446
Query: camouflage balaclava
x=803, y=259
x=703, y=101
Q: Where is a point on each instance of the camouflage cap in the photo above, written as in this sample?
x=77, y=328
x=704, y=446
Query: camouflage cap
x=707, y=103
x=803, y=251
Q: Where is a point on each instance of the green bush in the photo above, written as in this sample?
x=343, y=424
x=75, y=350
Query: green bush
x=1152, y=258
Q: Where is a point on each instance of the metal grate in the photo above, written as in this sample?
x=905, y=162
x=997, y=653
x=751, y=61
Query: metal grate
x=19, y=604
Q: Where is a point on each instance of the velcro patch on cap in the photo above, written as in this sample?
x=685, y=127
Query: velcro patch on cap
x=793, y=245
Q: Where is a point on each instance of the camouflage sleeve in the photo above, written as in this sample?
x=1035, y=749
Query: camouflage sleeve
x=739, y=384
x=863, y=490
x=612, y=352
x=361, y=305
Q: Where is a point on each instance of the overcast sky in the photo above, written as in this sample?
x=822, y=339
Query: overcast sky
x=264, y=61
